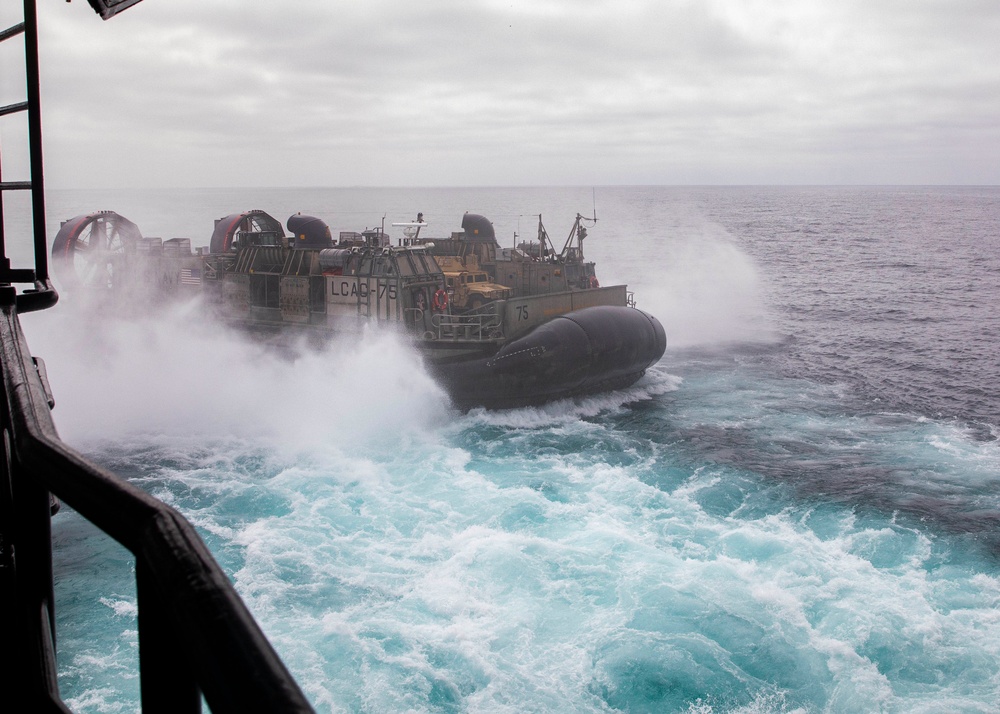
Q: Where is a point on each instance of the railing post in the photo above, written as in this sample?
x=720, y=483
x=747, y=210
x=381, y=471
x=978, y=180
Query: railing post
x=167, y=682
x=28, y=544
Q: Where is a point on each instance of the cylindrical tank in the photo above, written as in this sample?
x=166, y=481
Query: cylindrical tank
x=334, y=258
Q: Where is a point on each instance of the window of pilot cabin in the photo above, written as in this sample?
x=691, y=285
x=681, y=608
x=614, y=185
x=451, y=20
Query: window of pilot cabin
x=404, y=263
x=366, y=266
x=383, y=265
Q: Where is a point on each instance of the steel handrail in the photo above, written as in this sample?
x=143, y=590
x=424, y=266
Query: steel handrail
x=195, y=633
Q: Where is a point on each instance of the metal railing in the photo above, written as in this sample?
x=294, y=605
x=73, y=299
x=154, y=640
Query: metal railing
x=474, y=326
x=196, y=636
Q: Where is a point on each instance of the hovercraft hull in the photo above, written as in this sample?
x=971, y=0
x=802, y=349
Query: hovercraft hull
x=591, y=350
x=548, y=330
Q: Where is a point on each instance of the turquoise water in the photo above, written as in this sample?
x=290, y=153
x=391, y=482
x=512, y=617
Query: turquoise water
x=795, y=511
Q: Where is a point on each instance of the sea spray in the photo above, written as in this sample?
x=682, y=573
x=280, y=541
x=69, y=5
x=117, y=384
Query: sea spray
x=181, y=372
x=687, y=270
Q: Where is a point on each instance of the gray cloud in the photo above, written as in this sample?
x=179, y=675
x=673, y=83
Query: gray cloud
x=555, y=92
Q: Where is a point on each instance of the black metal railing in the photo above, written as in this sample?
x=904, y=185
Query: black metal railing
x=195, y=634
x=196, y=637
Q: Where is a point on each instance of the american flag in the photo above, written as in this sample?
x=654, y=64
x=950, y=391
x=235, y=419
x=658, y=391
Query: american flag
x=190, y=276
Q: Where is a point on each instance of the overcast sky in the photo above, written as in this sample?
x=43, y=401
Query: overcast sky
x=522, y=92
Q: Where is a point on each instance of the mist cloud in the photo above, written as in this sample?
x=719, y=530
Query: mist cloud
x=178, y=372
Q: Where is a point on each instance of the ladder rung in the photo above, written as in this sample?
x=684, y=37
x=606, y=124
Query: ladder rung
x=11, y=31
x=12, y=108
x=17, y=275
x=15, y=185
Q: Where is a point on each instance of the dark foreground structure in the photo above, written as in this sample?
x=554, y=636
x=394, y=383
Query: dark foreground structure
x=196, y=637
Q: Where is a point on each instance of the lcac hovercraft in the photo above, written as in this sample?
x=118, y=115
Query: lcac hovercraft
x=497, y=328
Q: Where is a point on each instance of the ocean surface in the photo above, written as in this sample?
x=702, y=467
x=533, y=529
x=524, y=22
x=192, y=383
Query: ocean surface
x=796, y=510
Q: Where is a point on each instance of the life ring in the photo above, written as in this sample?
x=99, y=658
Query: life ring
x=440, y=300
x=593, y=282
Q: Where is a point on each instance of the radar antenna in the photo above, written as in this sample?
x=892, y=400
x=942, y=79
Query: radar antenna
x=411, y=230
x=571, y=253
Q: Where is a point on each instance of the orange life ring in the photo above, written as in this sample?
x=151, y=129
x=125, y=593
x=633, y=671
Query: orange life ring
x=593, y=282
x=440, y=300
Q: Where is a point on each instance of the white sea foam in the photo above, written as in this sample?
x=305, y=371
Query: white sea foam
x=180, y=373
x=549, y=579
x=437, y=581
x=126, y=608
